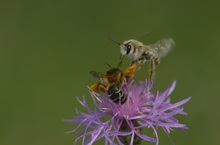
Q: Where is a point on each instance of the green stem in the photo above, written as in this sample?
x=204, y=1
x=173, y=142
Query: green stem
x=127, y=139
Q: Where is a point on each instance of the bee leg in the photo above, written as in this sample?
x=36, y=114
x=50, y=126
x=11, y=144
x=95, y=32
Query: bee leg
x=98, y=88
x=132, y=62
x=129, y=72
x=138, y=63
x=151, y=69
x=102, y=88
x=94, y=88
x=157, y=61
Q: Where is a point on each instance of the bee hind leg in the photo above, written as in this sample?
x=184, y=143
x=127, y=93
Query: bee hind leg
x=151, y=70
x=98, y=88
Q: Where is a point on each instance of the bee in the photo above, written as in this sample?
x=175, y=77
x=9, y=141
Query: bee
x=112, y=81
x=140, y=53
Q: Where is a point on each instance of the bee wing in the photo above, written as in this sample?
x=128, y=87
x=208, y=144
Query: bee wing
x=163, y=46
x=97, y=75
x=103, y=78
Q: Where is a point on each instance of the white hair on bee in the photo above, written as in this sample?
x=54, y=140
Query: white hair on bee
x=140, y=53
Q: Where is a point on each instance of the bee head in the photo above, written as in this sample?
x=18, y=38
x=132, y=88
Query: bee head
x=114, y=75
x=129, y=47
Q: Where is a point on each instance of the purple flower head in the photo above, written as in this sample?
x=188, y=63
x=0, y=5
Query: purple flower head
x=124, y=123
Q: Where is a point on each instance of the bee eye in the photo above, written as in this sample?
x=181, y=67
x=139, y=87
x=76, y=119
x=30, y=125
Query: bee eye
x=128, y=49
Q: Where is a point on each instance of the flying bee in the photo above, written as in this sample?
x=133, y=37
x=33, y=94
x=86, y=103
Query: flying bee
x=112, y=81
x=140, y=53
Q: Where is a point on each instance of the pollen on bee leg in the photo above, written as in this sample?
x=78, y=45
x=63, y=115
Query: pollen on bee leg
x=94, y=88
x=91, y=89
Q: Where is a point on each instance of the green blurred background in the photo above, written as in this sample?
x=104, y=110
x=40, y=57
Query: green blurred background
x=47, y=49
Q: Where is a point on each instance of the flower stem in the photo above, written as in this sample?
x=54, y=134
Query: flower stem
x=127, y=139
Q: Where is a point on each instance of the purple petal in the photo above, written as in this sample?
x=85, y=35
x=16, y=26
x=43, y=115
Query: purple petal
x=178, y=104
x=151, y=111
x=144, y=137
x=132, y=138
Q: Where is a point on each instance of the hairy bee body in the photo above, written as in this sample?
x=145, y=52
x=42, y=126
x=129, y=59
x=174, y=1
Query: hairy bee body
x=112, y=81
x=116, y=94
x=140, y=53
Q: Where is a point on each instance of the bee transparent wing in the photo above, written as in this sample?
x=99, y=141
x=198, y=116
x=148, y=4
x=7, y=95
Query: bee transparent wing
x=97, y=75
x=163, y=46
x=103, y=78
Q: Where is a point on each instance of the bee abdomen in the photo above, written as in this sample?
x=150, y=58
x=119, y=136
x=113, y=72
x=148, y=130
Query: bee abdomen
x=164, y=46
x=116, y=95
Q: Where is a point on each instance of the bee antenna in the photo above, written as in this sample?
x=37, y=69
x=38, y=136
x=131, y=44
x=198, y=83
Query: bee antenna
x=113, y=41
x=145, y=35
x=121, y=59
x=109, y=65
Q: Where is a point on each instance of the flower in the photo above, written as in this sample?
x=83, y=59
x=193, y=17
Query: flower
x=142, y=110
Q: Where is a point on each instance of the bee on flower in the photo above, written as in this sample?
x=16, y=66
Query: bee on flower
x=123, y=123
x=112, y=81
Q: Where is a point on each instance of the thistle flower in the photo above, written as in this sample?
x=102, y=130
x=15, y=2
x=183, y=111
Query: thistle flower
x=125, y=123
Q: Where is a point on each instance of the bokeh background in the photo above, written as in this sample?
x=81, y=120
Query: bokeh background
x=48, y=47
